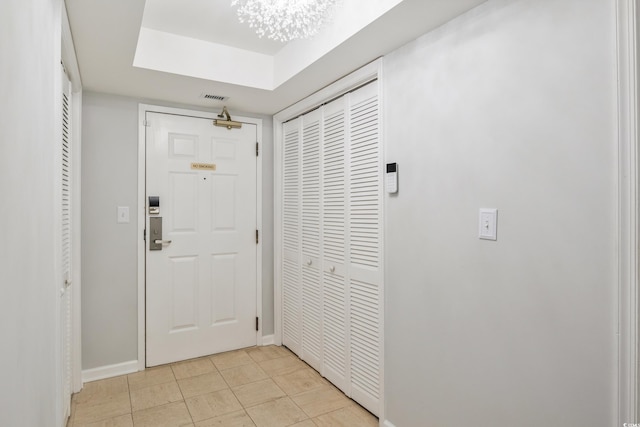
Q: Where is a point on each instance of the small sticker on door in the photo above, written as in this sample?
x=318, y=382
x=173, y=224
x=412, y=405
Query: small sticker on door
x=203, y=166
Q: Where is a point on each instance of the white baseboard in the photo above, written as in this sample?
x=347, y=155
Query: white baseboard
x=110, y=371
x=387, y=423
x=267, y=340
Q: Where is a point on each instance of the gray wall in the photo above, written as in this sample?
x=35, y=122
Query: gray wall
x=109, y=262
x=511, y=106
x=109, y=249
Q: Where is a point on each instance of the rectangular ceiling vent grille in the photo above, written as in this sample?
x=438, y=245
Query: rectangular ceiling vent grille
x=214, y=97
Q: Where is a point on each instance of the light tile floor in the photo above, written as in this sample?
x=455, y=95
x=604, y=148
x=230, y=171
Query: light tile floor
x=254, y=387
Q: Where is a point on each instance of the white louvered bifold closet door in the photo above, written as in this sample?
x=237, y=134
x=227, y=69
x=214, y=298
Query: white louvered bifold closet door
x=65, y=203
x=365, y=214
x=332, y=242
x=334, y=217
x=311, y=232
x=291, y=239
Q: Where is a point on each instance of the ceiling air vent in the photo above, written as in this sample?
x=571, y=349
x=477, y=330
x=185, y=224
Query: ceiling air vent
x=214, y=97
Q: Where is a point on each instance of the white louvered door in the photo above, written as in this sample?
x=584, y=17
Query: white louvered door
x=291, y=239
x=311, y=232
x=331, y=271
x=335, y=229
x=365, y=214
x=66, y=291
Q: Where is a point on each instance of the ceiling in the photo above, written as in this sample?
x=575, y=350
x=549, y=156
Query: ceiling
x=208, y=20
x=183, y=49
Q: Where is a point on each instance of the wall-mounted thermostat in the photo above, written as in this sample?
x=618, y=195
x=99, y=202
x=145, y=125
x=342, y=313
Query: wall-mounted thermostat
x=391, y=178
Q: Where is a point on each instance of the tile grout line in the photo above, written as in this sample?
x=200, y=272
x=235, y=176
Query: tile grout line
x=270, y=400
x=130, y=401
x=269, y=377
x=286, y=395
x=219, y=372
x=236, y=396
x=181, y=394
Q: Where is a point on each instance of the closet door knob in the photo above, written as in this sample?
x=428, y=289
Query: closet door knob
x=333, y=269
x=309, y=262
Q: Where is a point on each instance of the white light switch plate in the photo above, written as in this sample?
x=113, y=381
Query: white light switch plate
x=488, y=224
x=123, y=214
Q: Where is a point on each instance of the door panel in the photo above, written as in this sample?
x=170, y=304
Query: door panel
x=311, y=232
x=335, y=230
x=224, y=203
x=365, y=247
x=66, y=291
x=224, y=267
x=184, y=292
x=183, y=193
x=291, y=238
x=201, y=287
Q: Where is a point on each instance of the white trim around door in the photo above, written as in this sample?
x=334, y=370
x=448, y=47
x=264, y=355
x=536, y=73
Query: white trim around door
x=142, y=110
x=628, y=211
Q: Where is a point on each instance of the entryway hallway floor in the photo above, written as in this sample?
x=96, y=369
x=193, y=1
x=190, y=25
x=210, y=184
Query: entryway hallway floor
x=254, y=387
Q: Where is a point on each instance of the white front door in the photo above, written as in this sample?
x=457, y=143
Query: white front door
x=201, y=286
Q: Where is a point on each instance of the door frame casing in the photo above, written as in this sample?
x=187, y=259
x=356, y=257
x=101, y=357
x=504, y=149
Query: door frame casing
x=627, y=47
x=141, y=205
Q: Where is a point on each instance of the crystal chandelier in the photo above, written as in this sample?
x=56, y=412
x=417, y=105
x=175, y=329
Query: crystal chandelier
x=284, y=20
